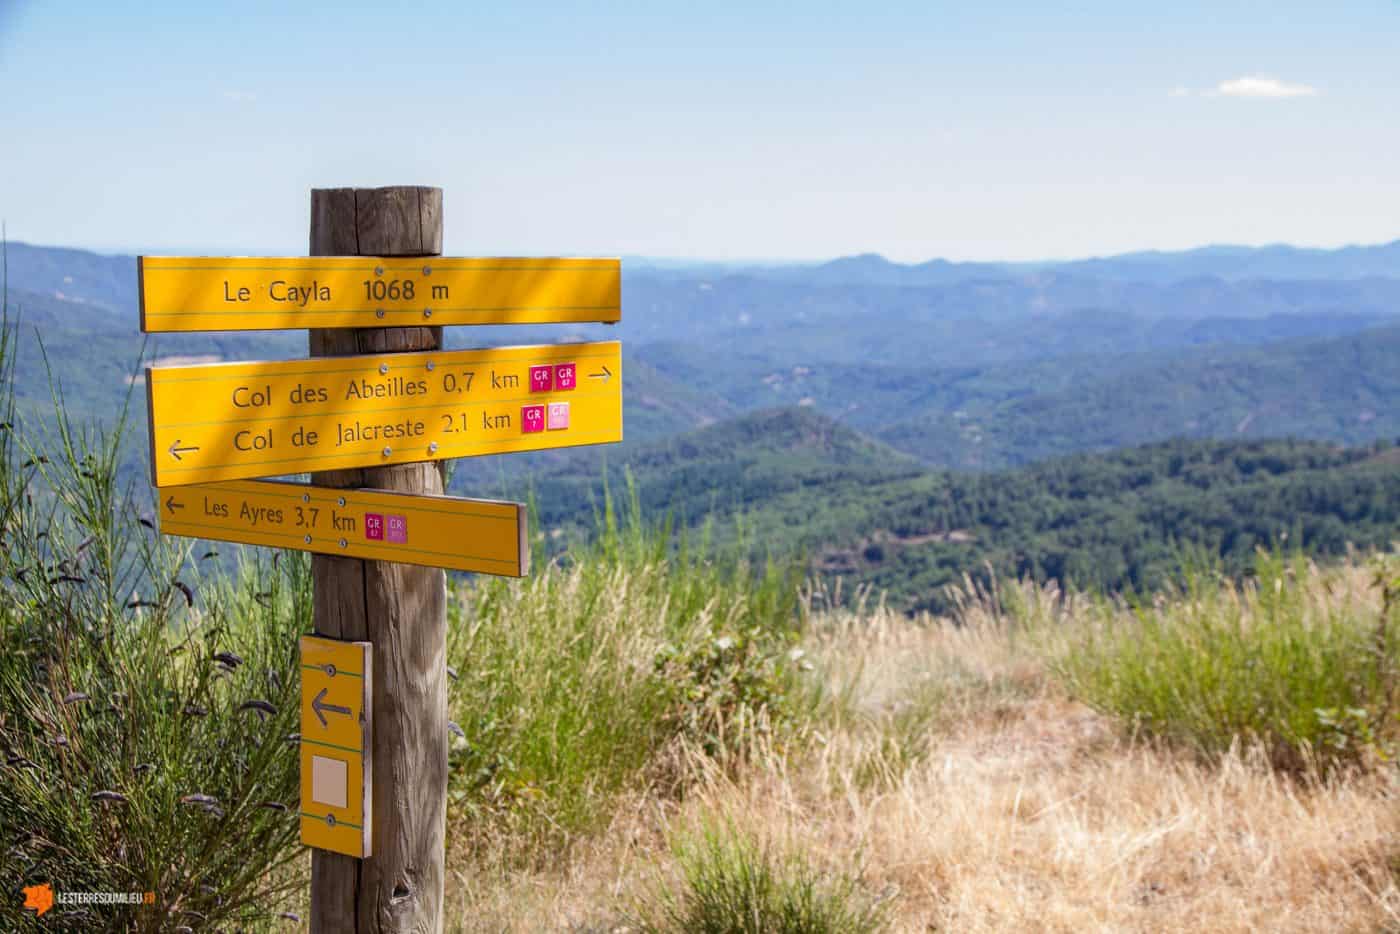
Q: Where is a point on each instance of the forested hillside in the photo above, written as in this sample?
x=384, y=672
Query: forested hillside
x=792, y=480
x=1342, y=389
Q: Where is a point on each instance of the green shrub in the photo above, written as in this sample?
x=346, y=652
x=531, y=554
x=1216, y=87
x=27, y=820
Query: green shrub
x=145, y=708
x=730, y=885
x=570, y=683
x=1281, y=660
x=721, y=689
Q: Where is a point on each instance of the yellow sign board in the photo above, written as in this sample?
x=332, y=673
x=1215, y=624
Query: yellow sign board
x=259, y=293
x=232, y=421
x=478, y=535
x=335, y=745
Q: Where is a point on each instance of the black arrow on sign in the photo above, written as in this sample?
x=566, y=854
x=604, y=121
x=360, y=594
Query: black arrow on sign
x=172, y=505
x=318, y=705
x=176, y=450
x=604, y=376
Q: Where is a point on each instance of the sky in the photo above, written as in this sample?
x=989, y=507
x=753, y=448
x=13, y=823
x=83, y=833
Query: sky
x=715, y=130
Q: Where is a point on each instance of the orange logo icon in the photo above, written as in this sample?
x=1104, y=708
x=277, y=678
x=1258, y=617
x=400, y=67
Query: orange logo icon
x=38, y=897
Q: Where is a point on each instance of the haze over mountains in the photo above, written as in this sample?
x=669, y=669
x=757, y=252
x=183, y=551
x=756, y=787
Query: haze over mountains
x=109, y=278
x=938, y=365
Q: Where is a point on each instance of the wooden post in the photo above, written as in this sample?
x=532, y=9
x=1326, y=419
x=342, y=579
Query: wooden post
x=399, y=608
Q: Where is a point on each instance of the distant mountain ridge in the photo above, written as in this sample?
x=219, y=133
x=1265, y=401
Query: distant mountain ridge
x=76, y=275
x=109, y=280
x=1235, y=263
x=1227, y=263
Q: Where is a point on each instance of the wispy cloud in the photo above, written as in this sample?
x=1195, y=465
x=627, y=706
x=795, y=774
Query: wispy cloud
x=1260, y=87
x=240, y=97
x=1250, y=87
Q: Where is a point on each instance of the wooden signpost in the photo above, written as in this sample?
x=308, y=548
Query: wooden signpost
x=375, y=413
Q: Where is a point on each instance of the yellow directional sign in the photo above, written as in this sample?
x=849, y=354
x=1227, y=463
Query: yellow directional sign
x=335, y=745
x=438, y=531
x=260, y=293
x=231, y=421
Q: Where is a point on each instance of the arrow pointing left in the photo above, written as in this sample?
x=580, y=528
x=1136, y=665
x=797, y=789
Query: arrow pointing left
x=172, y=505
x=321, y=708
x=176, y=450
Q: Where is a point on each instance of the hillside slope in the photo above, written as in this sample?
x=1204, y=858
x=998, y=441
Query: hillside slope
x=794, y=480
x=1344, y=389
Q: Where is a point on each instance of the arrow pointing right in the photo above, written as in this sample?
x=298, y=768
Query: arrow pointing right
x=604, y=376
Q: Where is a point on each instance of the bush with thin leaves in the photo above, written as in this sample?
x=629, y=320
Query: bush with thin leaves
x=145, y=708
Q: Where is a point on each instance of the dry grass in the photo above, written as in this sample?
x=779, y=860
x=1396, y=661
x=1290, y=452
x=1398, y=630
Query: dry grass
x=949, y=772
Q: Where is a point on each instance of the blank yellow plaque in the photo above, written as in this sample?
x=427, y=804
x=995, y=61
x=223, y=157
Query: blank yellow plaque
x=260, y=293
x=483, y=536
x=233, y=421
x=335, y=745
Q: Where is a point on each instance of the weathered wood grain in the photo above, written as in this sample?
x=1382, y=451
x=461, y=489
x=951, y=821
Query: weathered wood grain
x=333, y=231
x=399, y=608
